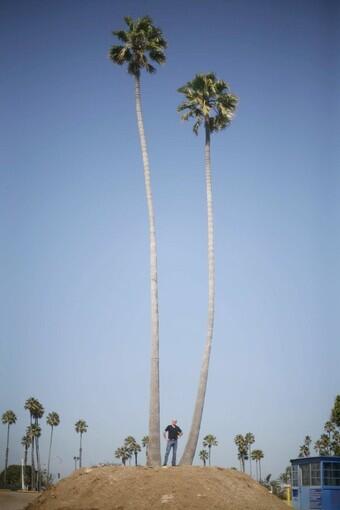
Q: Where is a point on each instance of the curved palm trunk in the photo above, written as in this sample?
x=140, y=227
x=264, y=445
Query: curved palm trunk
x=6, y=461
x=49, y=454
x=190, y=448
x=154, y=455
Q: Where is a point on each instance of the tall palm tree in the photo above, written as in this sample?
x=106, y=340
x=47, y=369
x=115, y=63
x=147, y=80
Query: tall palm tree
x=145, y=444
x=8, y=418
x=33, y=406
x=37, y=414
x=208, y=101
x=26, y=443
x=249, y=439
x=34, y=432
x=209, y=441
x=204, y=456
x=81, y=428
x=144, y=43
x=52, y=420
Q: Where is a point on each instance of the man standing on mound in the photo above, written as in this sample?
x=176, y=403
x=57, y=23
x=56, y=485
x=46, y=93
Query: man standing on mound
x=174, y=433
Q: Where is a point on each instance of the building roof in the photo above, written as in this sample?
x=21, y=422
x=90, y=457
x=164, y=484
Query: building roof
x=308, y=460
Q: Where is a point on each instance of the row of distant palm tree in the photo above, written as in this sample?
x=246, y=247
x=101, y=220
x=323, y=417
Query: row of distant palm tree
x=32, y=436
x=130, y=448
x=208, y=102
x=244, y=452
x=208, y=441
x=329, y=441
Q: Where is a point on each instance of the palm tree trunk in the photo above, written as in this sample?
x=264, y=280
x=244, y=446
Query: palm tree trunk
x=260, y=470
x=32, y=460
x=80, y=450
x=25, y=466
x=49, y=455
x=38, y=481
x=6, y=461
x=154, y=455
x=250, y=460
x=209, y=449
x=190, y=448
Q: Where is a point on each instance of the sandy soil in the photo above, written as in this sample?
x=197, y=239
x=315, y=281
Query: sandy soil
x=142, y=488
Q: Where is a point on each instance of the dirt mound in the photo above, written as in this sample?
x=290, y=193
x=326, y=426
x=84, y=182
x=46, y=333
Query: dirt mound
x=142, y=488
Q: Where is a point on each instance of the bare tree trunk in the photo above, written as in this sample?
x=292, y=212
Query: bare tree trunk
x=190, y=448
x=154, y=455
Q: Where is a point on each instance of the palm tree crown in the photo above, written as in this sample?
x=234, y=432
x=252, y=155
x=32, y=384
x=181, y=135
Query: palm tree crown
x=8, y=418
x=81, y=426
x=208, y=99
x=142, y=42
x=53, y=419
x=35, y=408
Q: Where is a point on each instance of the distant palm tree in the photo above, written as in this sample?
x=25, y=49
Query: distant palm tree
x=335, y=444
x=8, y=418
x=249, y=439
x=209, y=441
x=204, y=456
x=81, y=428
x=145, y=444
x=208, y=101
x=242, y=449
x=305, y=448
x=323, y=445
x=123, y=453
x=142, y=43
x=335, y=413
x=257, y=455
x=329, y=428
x=131, y=443
x=52, y=420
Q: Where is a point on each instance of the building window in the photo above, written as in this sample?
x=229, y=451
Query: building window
x=305, y=474
x=331, y=473
x=295, y=475
x=315, y=473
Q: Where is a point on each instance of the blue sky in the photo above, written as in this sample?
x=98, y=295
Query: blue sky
x=74, y=294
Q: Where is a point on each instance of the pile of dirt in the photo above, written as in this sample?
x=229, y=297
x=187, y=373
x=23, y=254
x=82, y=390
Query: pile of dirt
x=142, y=488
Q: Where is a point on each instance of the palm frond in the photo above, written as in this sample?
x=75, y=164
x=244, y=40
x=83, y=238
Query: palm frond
x=122, y=36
